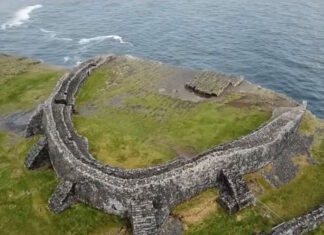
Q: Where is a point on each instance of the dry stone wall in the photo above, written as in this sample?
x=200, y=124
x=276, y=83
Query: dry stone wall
x=234, y=192
x=300, y=225
x=146, y=196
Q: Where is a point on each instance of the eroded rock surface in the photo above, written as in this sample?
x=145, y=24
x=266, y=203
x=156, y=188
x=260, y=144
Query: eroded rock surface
x=15, y=122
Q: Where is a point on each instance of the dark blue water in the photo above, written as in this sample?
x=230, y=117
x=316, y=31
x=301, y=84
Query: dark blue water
x=277, y=44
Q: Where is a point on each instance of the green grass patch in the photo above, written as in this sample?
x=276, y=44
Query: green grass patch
x=318, y=231
x=133, y=126
x=309, y=124
x=24, y=195
x=243, y=223
x=294, y=199
x=29, y=84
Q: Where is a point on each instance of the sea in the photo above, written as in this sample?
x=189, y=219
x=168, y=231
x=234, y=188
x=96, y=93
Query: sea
x=278, y=44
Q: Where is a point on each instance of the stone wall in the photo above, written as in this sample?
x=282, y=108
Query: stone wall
x=145, y=196
x=300, y=225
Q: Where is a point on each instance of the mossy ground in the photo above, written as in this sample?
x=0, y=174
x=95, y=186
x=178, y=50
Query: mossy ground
x=126, y=126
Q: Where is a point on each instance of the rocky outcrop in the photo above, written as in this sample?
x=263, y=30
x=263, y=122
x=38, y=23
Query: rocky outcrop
x=146, y=196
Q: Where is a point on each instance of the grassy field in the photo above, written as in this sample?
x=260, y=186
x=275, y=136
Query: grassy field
x=130, y=125
x=24, y=83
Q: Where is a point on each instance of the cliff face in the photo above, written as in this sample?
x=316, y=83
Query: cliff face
x=135, y=96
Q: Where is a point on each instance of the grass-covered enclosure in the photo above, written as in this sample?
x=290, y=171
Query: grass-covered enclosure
x=130, y=124
x=133, y=119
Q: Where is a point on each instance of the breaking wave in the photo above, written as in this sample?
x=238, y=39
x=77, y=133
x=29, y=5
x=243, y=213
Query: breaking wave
x=66, y=59
x=84, y=41
x=21, y=16
x=53, y=35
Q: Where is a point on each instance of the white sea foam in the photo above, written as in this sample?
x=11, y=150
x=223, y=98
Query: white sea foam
x=64, y=39
x=46, y=31
x=66, y=59
x=84, y=41
x=53, y=35
x=20, y=17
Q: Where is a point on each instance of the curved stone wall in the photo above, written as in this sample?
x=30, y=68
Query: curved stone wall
x=146, y=196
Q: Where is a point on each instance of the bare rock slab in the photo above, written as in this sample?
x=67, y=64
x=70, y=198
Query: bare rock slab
x=15, y=122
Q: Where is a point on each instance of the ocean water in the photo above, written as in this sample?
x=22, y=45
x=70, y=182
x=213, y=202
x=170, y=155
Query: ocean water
x=277, y=44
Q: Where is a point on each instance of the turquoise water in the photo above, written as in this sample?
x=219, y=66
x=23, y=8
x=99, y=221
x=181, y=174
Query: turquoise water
x=277, y=44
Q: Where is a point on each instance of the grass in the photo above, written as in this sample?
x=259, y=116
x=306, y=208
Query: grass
x=294, y=199
x=130, y=139
x=318, y=231
x=24, y=193
x=133, y=126
x=29, y=84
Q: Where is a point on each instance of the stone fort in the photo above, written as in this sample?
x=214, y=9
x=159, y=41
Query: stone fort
x=146, y=196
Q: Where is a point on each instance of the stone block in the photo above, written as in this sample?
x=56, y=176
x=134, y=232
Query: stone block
x=234, y=192
x=62, y=198
x=35, y=125
x=38, y=156
x=143, y=218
